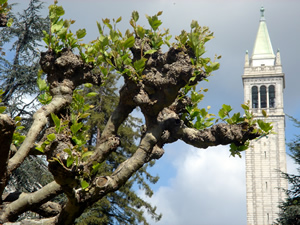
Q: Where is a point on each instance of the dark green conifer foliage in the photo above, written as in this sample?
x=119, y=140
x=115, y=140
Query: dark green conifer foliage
x=123, y=206
x=290, y=208
x=20, y=65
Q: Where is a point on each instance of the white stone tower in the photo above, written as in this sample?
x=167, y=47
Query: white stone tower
x=263, y=82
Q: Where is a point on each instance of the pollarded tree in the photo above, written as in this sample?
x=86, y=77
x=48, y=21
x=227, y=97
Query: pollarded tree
x=32, y=174
x=124, y=206
x=161, y=84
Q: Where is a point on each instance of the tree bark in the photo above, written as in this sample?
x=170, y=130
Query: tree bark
x=29, y=201
x=7, y=128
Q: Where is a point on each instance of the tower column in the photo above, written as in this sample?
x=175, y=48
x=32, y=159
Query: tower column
x=266, y=157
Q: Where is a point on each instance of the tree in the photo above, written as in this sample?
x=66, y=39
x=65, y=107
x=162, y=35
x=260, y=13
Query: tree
x=17, y=78
x=18, y=75
x=290, y=208
x=33, y=173
x=161, y=84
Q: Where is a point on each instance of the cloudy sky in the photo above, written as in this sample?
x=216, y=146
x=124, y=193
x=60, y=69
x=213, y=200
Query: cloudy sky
x=207, y=187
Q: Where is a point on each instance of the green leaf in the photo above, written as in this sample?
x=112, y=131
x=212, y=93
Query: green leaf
x=81, y=33
x=84, y=115
x=203, y=112
x=227, y=108
x=215, y=66
x=45, y=98
x=56, y=121
x=86, y=154
x=40, y=148
x=159, y=13
x=56, y=27
x=17, y=118
x=135, y=16
x=42, y=85
x=222, y=113
x=194, y=113
x=119, y=19
x=78, y=141
x=264, y=113
x=76, y=127
x=51, y=137
x=2, y=109
x=129, y=42
x=139, y=64
x=88, y=85
x=70, y=161
x=141, y=32
x=194, y=24
x=20, y=127
x=55, y=12
x=245, y=107
x=92, y=94
x=3, y=1
x=10, y=22
x=84, y=184
x=189, y=108
x=62, y=33
x=151, y=51
x=196, y=97
x=99, y=27
x=67, y=150
x=266, y=127
x=154, y=22
x=95, y=167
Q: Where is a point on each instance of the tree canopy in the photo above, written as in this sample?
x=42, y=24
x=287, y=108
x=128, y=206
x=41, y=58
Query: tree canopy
x=163, y=85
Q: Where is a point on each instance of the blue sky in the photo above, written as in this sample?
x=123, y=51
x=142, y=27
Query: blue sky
x=207, y=187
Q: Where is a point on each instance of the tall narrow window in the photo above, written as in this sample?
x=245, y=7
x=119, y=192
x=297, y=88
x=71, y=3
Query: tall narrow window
x=263, y=97
x=254, y=97
x=272, y=96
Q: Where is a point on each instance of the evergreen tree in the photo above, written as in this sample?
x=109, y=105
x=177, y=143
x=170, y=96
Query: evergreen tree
x=18, y=70
x=290, y=208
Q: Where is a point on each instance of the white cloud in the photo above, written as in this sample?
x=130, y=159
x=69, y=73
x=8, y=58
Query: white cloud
x=209, y=188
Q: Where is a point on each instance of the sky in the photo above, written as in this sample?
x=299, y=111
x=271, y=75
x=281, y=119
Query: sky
x=196, y=186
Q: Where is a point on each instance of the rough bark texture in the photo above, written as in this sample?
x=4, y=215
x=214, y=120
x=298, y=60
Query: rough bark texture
x=157, y=94
x=3, y=20
x=7, y=128
x=37, y=202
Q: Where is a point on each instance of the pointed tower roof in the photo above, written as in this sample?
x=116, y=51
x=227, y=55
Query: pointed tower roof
x=263, y=48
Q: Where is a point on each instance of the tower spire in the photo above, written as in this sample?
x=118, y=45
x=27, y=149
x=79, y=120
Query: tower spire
x=263, y=50
x=262, y=13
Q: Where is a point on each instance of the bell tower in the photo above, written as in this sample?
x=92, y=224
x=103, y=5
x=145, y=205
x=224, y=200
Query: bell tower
x=263, y=82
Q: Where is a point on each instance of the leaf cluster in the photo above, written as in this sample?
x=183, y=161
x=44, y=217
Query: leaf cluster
x=45, y=96
x=201, y=119
x=60, y=36
x=112, y=50
x=4, y=9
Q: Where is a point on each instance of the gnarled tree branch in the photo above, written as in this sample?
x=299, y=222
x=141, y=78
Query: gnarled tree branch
x=29, y=201
x=219, y=134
